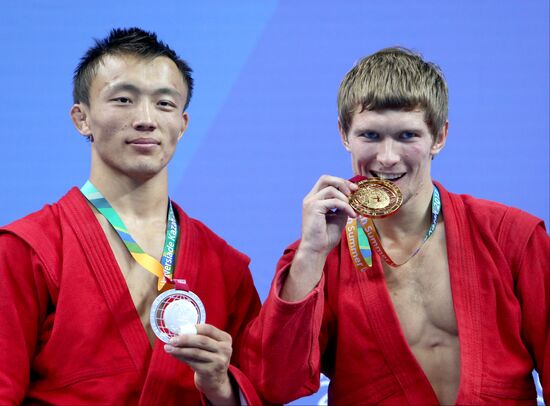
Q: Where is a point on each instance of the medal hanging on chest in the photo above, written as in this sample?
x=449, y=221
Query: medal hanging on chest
x=175, y=311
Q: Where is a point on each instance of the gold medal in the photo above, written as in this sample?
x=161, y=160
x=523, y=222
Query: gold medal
x=376, y=198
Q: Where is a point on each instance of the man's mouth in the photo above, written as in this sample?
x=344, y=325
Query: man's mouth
x=387, y=176
x=144, y=141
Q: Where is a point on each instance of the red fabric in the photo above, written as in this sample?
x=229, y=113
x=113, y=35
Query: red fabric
x=348, y=329
x=70, y=332
x=358, y=178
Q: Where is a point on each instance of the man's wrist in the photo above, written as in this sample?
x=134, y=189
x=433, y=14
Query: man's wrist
x=309, y=260
x=224, y=394
x=304, y=275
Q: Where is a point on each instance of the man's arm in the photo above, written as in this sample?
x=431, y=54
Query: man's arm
x=208, y=353
x=213, y=352
x=284, y=344
x=324, y=214
x=23, y=305
x=533, y=289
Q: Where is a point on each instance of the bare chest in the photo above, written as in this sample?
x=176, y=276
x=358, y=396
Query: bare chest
x=141, y=283
x=421, y=295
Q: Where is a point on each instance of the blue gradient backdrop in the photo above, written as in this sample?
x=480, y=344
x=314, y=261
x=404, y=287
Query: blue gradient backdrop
x=263, y=119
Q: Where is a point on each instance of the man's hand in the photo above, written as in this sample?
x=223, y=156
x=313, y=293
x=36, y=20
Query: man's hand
x=208, y=353
x=325, y=211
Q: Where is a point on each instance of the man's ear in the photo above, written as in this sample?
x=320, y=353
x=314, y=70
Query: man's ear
x=440, y=140
x=184, y=124
x=343, y=136
x=79, y=117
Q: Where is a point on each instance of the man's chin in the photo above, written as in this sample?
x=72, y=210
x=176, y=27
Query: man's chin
x=144, y=173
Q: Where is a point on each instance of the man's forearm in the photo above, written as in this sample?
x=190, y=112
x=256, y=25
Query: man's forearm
x=304, y=275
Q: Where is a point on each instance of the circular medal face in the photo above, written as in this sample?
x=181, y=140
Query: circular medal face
x=174, y=311
x=376, y=198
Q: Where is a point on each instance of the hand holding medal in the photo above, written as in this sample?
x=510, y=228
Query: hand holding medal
x=325, y=210
x=208, y=353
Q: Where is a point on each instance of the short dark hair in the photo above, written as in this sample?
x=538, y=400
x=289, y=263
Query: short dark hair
x=124, y=41
x=394, y=78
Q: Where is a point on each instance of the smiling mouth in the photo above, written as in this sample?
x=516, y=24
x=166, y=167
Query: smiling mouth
x=144, y=141
x=387, y=176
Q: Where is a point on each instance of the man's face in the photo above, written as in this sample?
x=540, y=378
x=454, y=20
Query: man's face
x=135, y=116
x=395, y=145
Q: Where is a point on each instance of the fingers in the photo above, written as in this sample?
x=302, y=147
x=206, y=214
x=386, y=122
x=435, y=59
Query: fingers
x=204, y=346
x=208, y=353
x=345, y=186
x=195, y=356
x=330, y=194
x=192, y=341
x=325, y=210
x=332, y=207
x=208, y=338
x=213, y=332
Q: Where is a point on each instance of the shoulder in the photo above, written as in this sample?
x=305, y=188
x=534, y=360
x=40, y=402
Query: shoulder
x=503, y=230
x=32, y=246
x=486, y=213
x=493, y=223
x=41, y=225
x=40, y=232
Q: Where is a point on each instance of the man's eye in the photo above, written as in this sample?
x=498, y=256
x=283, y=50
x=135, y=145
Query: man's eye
x=123, y=100
x=407, y=135
x=165, y=103
x=370, y=135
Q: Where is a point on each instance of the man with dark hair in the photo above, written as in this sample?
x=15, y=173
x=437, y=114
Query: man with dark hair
x=133, y=41
x=400, y=291
x=90, y=282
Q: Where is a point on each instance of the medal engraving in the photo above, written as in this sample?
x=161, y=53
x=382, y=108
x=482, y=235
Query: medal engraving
x=179, y=313
x=174, y=312
x=376, y=198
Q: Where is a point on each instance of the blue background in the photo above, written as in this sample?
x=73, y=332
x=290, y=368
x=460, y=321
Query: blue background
x=263, y=118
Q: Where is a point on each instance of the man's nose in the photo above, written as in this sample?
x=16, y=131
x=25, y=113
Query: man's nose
x=145, y=117
x=388, y=154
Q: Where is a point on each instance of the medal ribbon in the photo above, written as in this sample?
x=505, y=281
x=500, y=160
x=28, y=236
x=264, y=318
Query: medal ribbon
x=163, y=270
x=361, y=254
x=369, y=234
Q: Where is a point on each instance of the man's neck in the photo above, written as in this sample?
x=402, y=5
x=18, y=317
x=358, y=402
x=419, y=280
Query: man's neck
x=131, y=198
x=412, y=220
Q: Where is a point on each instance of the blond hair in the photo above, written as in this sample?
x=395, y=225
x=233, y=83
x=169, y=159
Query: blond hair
x=394, y=78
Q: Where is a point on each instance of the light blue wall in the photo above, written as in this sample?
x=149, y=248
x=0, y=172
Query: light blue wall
x=263, y=119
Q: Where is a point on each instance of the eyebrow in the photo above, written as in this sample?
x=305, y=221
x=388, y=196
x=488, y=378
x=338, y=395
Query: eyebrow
x=405, y=128
x=129, y=87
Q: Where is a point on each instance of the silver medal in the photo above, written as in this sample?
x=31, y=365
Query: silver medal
x=176, y=312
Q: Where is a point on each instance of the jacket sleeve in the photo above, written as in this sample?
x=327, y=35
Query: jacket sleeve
x=533, y=291
x=282, y=350
x=23, y=308
x=243, y=307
